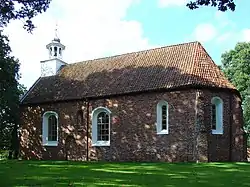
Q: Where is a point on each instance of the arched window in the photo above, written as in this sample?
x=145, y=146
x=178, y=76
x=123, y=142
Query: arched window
x=217, y=115
x=50, y=128
x=55, y=51
x=101, y=126
x=50, y=51
x=60, y=51
x=162, y=117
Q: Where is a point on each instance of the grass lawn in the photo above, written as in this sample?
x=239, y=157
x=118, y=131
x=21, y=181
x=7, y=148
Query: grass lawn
x=60, y=173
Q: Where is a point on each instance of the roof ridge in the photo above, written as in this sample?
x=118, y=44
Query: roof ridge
x=205, y=51
x=134, y=52
x=211, y=60
x=217, y=70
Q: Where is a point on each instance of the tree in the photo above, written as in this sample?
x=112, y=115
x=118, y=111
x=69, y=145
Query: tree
x=10, y=89
x=23, y=10
x=9, y=93
x=223, y=5
x=236, y=66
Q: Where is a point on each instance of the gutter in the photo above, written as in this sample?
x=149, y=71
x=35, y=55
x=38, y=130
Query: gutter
x=197, y=128
x=87, y=131
x=86, y=116
x=230, y=128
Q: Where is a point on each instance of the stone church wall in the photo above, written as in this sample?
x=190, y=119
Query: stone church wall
x=133, y=129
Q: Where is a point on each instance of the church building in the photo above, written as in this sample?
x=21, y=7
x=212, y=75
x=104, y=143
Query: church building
x=169, y=104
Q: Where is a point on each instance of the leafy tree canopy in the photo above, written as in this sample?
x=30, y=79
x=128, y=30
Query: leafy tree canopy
x=236, y=66
x=222, y=5
x=9, y=92
x=10, y=89
x=23, y=10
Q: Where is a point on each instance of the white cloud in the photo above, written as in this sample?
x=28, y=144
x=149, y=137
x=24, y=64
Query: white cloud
x=166, y=3
x=238, y=36
x=221, y=30
x=222, y=18
x=246, y=35
x=224, y=37
x=89, y=29
x=223, y=21
x=205, y=32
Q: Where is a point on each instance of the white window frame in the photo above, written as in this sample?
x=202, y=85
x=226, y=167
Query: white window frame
x=159, y=118
x=45, y=130
x=94, y=115
x=217, y=101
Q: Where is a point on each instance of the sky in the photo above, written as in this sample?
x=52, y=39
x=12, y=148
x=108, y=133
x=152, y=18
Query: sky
x=95, y=28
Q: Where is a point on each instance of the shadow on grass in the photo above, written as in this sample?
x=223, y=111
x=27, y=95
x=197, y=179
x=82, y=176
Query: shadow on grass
x=60, y=173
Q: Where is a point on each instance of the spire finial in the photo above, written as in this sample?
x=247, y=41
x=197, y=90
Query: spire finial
x=56, y=33
x=56, y=30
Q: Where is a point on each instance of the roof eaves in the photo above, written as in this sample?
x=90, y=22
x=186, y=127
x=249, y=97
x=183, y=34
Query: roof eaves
x=177, y=88
x=31, y=88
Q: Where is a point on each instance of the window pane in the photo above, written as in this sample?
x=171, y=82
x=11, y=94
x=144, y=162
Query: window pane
x=164, y=117
x=164, y=126
x=105, y=138
x=103, y=126
x=52, y=128
x=99, y=138
x=99, y=119
x=213, y=120
x=164, y=109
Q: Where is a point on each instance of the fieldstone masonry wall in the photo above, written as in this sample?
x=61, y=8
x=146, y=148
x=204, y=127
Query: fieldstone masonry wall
x=133, y=129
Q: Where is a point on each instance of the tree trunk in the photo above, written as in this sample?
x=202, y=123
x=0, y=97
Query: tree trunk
x=197, y=129
x=10, y=154
x=14, y=147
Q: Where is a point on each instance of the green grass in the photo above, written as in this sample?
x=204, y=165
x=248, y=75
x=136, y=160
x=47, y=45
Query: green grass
x=59, y=173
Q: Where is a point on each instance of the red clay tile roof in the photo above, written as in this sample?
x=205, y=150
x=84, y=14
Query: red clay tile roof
x=168, y=67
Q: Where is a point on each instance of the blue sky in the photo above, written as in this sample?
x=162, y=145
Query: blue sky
x=170, y=24
x=94, y=28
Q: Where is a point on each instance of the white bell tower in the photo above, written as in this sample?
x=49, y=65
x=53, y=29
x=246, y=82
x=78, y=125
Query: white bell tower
x=55, y=62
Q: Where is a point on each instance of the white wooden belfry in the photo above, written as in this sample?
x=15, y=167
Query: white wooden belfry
x=55, y=62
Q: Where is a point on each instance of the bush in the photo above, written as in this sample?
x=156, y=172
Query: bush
x=3, y=154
